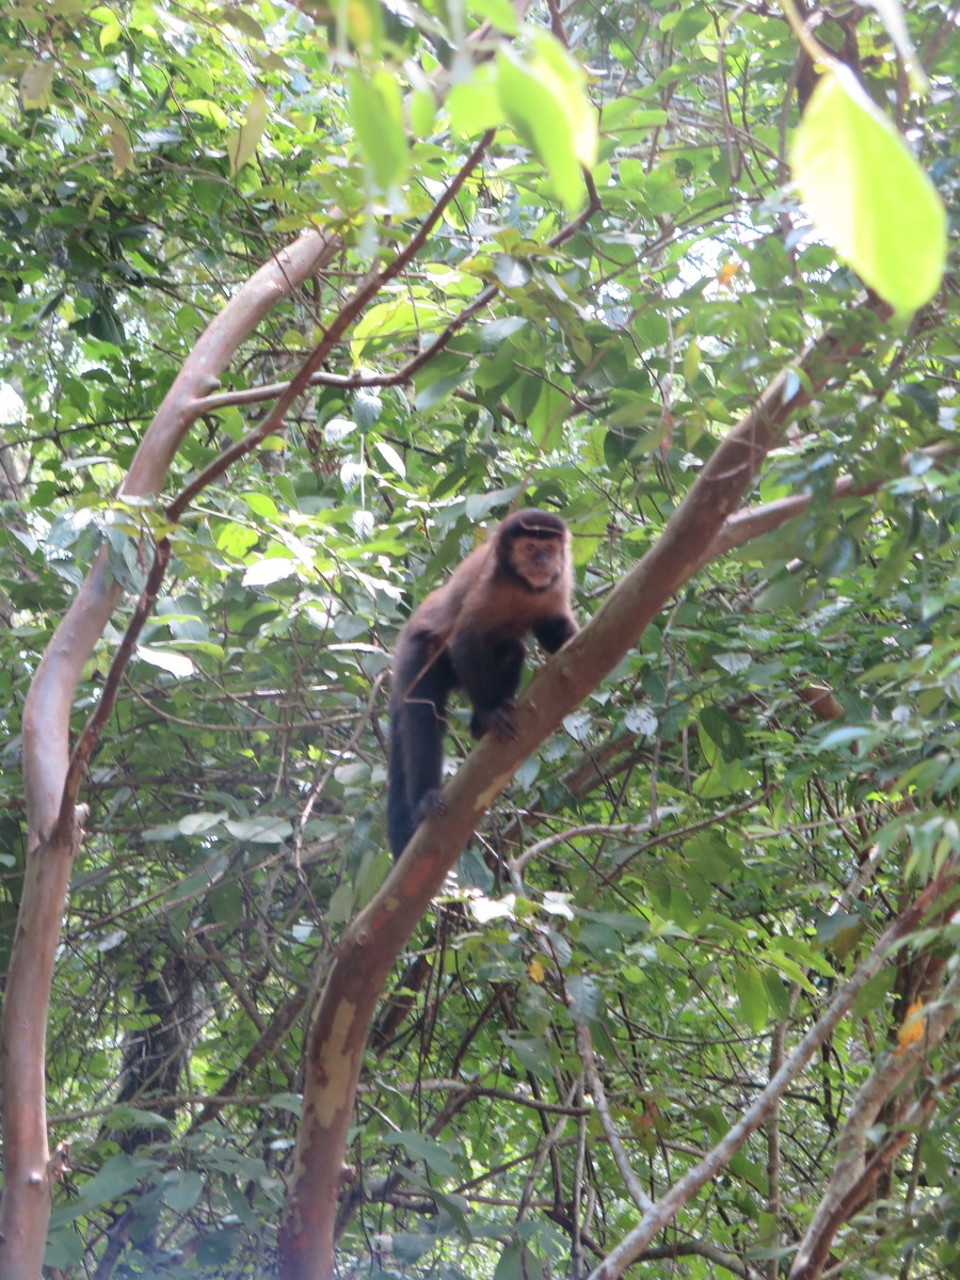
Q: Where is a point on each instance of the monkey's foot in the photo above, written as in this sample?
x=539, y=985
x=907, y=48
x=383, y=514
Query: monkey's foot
x=431, y=805
x=502, y=724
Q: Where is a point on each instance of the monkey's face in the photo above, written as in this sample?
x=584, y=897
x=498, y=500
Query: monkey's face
x=538, y=560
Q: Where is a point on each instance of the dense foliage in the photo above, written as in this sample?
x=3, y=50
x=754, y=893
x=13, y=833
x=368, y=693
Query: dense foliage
x=692, y=867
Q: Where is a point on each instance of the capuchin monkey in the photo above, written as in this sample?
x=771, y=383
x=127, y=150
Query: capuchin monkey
x=468, y=634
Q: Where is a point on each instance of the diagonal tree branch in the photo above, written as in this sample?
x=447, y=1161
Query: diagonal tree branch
x=854, y=1175
x=46, y=713
x=362, y=961
x=666, y=1209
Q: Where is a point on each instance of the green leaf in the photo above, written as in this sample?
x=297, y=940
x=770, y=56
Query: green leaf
x=181, y=1191
x=492, y=336
x=176, y=664
x=111, y=31
x=513, y=273
x=398, y=318
x=584, y=994
x=261, y=830
x=423, y=110
x=217, y=1248
x=778, y=997
x=242, y=145
x=839, y=555
x=474, y=106
x=36, y=85
x=117, y=1176
x=376, y=109
x=391, y=457
x=499, y=13
x=544, y=100
x=511, y=1264
x=530, y=1051
x=548, y=416
x=364, y=22
x=439, y=390
x=420, y=1146
x=868, y=195
x=724, y=732
x=842, y=736
x=752, y=996
x=789, y=968
x=208, y=110
x=873, y=994
x=290, y=1102
x=623, y=115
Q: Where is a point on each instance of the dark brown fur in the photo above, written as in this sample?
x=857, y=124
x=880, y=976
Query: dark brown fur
x=469, y=634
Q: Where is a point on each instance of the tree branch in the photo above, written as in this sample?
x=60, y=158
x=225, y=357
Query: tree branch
x=853, y=1176
x=595, y=1085
x=46, y=712
x=666, y=1209
x=362, y=961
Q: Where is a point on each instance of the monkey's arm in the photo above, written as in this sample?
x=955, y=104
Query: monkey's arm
x=489, y=671
x=553, y=633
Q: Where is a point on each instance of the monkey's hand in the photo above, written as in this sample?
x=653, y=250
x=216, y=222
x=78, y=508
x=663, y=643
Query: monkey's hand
x=431, y=805
x=499, y=722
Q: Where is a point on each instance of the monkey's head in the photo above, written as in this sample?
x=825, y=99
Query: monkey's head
x=533, y=546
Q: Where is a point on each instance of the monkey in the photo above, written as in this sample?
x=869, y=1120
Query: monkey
x=468, y=634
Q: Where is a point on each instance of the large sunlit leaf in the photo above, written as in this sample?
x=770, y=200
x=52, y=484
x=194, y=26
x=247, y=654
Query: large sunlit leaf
x=364, y=22
x=544, y=99
x=474, y=105
x=868, y=195
x=547, y=417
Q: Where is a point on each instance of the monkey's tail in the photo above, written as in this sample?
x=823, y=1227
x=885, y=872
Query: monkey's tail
x=400, y=823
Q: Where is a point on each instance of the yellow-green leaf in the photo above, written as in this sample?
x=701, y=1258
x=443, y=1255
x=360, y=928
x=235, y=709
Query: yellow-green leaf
x=120, y=149
x=474, y=105
x=543, y=98
x=499, y=13
x=547, y=417
x=376, y=108
x=568, y=80
x=867, y=194
x=751, y=996
x=209, y=110
x=365, y=25
x=110, y=33
x=35, y=84
x=242, y=145
x=423, y=110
